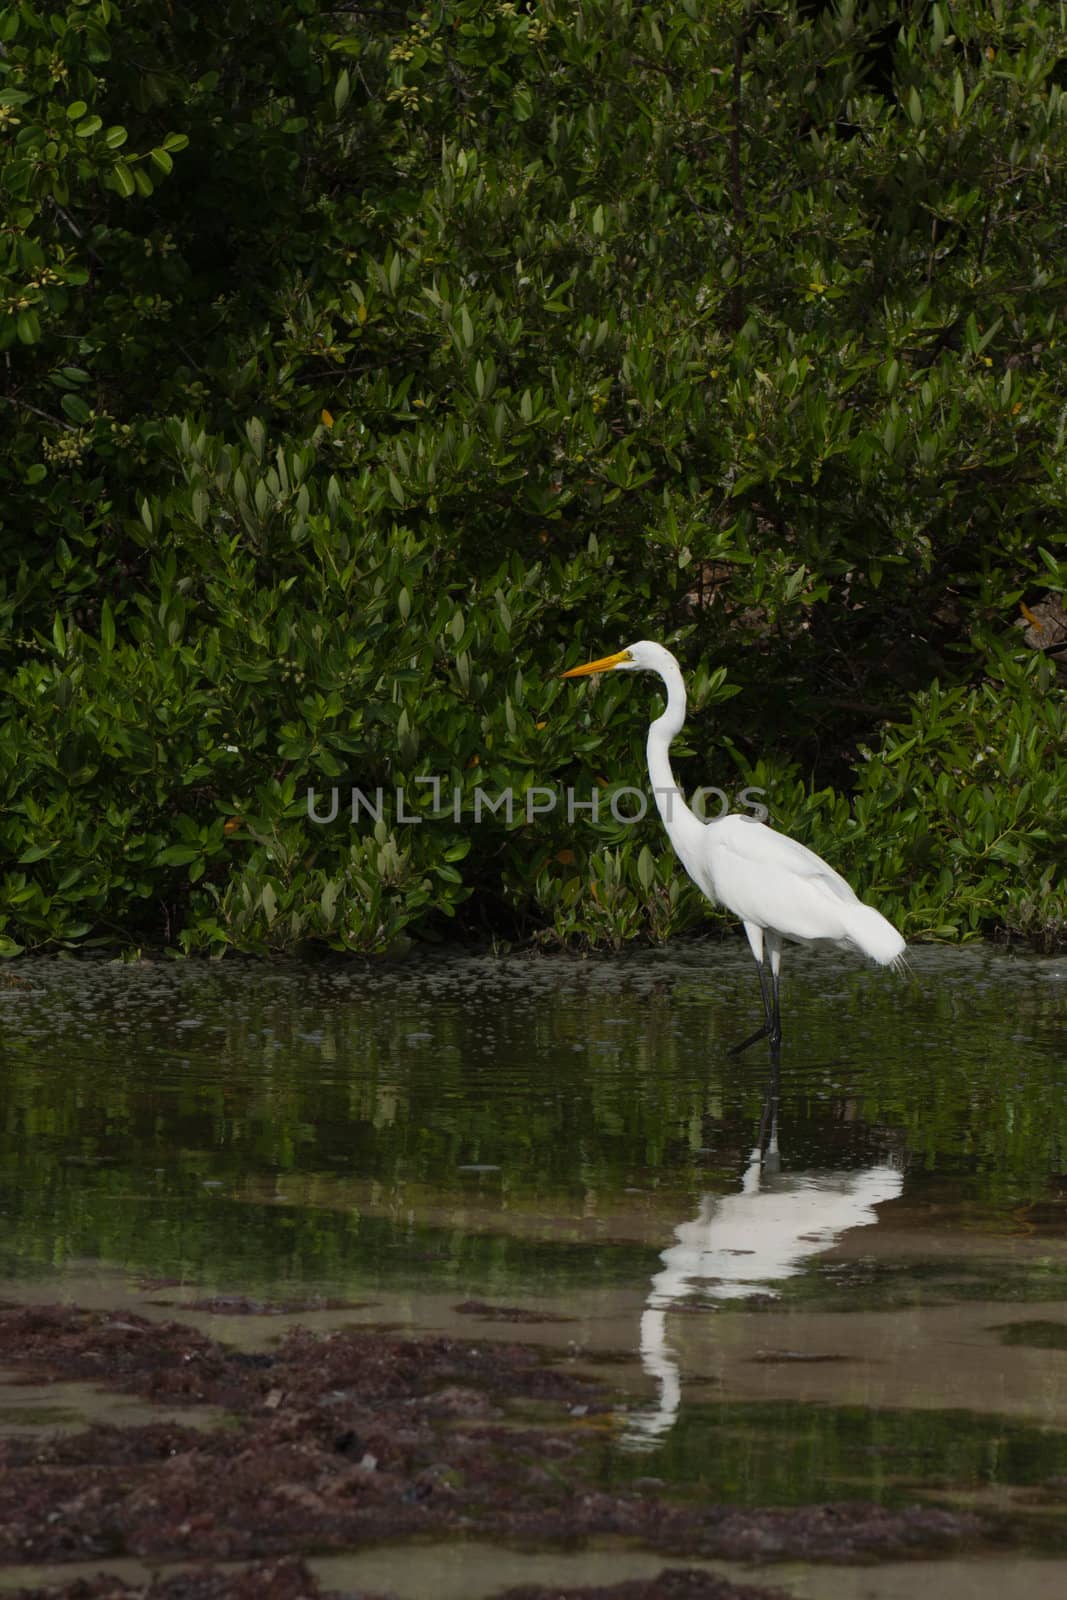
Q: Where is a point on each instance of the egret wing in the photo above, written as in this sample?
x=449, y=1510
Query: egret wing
x=755, y=842
x=773, y=881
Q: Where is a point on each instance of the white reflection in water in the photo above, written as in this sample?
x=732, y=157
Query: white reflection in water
x=743, y=1244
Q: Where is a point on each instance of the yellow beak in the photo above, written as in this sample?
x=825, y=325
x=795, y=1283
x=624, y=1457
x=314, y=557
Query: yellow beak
x=605, y=664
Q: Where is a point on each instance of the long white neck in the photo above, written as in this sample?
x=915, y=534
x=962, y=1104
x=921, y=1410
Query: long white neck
x=669, y=798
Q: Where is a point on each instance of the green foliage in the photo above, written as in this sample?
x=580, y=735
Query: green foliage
x=958, y=824
x=365, y=368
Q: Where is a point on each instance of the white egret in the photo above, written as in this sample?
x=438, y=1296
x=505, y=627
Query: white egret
x=779, y=888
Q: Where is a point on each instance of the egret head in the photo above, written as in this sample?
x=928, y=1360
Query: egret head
x=644, y=656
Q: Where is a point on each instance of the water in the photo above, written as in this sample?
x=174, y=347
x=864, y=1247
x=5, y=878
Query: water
x=884, y=1317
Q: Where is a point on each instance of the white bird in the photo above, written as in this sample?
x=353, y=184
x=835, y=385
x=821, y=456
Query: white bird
x=779, y=888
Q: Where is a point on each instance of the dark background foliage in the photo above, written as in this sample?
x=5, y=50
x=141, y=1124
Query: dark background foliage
x=362, y=367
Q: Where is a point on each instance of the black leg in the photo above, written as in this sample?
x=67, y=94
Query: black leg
x=774, y=1027
x=769, y=1120
x=767, y=1138
x=771, y=1024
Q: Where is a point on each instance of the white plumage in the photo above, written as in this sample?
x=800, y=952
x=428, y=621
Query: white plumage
x=779, y=888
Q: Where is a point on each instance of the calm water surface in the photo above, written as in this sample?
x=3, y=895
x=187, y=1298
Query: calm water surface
x=884, y=1316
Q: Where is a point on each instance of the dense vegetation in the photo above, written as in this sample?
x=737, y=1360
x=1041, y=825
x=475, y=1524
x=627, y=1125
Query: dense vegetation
x=363, y=367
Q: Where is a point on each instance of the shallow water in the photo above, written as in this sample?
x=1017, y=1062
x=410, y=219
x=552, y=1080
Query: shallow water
x=884, y=1317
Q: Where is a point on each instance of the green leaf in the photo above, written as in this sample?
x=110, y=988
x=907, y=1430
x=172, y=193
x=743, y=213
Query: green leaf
x=161, y=159
x=938, y=18
x=89, y=126
x=29, y=327
x=75, y=407
x=124, y=179
x=178, y=855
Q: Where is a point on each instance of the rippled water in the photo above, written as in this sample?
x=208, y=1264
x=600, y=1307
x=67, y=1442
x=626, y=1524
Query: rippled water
x=885, y=1314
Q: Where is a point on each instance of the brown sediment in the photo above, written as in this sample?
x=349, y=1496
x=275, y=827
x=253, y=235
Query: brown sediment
x=343, y=1439
x=674, y=1583
x=241, y=1305
x=485, y=1311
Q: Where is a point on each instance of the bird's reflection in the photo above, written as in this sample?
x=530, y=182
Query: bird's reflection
x=744, y=1244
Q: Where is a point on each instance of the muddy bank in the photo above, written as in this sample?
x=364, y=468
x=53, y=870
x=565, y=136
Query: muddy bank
x=355, y=1437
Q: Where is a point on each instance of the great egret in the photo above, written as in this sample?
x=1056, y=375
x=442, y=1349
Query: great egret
x=779, y=888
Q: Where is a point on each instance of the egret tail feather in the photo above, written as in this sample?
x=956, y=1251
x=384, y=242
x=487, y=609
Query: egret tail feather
x=871, y=933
